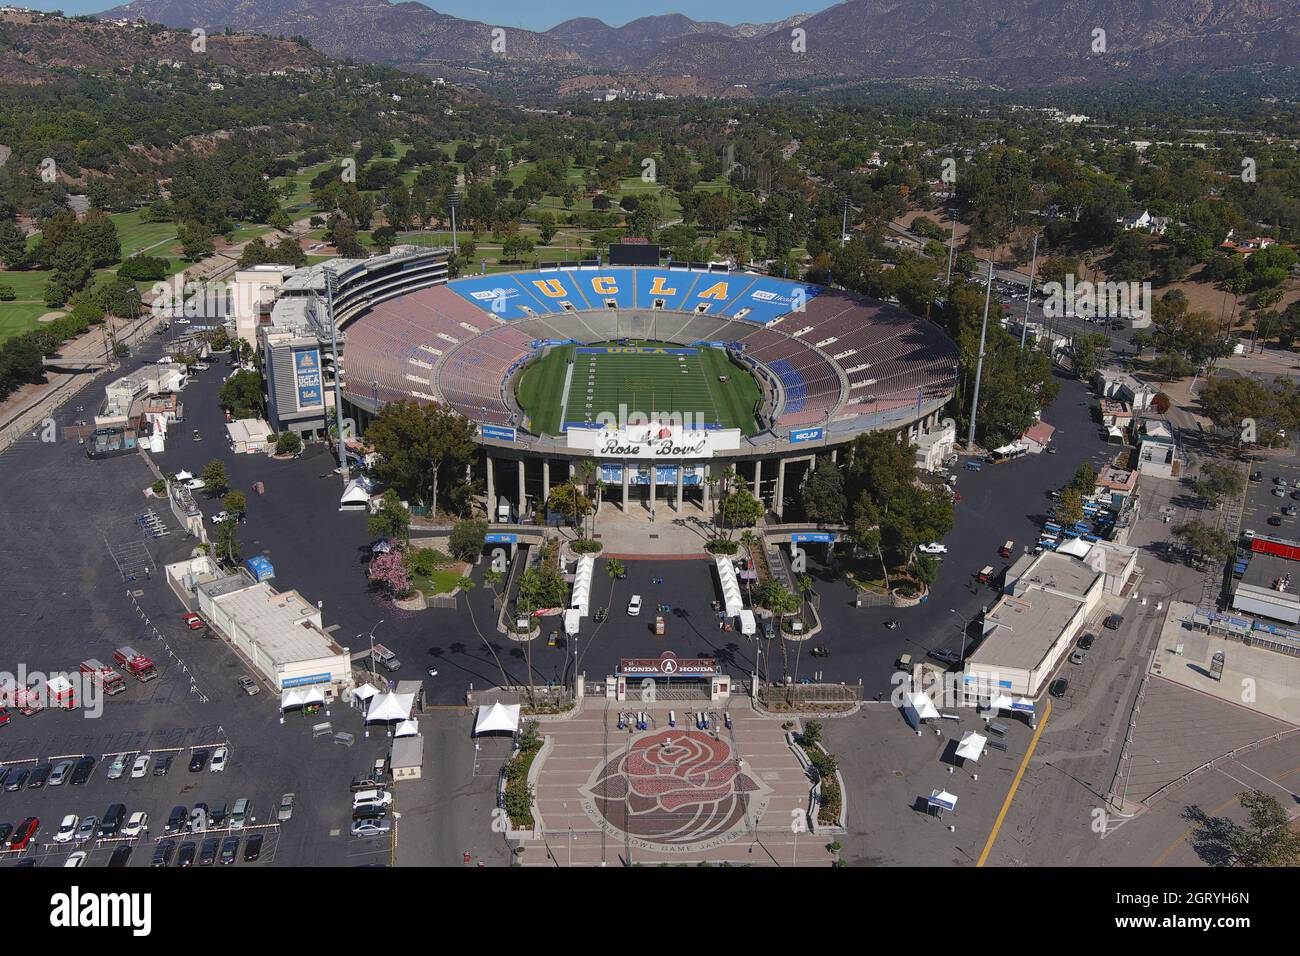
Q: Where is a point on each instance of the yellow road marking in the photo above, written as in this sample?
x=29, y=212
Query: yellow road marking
x=1015, y=784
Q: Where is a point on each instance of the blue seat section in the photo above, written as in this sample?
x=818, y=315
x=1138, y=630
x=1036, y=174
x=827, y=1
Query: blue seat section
x=608, y=282
x=552, y=287
x=672, y=287
x=715, y=290
x=482, y=291
x=796, y=389
x=766, y=298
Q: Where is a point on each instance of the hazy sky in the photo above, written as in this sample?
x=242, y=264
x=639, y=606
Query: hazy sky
x=534, y=16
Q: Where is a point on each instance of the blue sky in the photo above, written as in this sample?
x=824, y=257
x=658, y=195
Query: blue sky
x=534, y=16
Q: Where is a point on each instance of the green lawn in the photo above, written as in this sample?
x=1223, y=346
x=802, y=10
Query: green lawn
x=19, y=317
x=686, y=384
x=442, y=581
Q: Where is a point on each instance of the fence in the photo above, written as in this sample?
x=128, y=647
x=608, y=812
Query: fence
x=797, y=695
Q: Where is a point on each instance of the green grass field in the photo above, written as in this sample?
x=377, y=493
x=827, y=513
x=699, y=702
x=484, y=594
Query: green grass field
x=642, y=382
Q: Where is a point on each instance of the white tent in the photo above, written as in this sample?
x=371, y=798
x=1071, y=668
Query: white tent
x=365, y=691
x=183, y=475
x=942, y=800
x=355, y=498
x=581, y=600
x=917, y=707
x=971, y=745
x=731, y=598
x=1075, y=548
x=390, y=707
x=407, y=728
x=497, y=717
x=291, y=697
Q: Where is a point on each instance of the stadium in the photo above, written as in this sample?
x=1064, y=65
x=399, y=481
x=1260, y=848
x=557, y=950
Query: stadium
x=665, y=375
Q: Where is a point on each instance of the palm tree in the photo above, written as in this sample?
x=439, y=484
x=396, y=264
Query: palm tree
x=583, y=473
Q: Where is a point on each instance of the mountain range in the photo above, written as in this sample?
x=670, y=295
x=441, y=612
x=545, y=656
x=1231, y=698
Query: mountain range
x=1013, y=43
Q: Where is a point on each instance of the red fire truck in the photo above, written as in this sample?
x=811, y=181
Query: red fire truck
x=135, y=663
x=109, y=680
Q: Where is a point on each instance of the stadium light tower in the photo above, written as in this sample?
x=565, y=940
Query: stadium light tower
x=844, y=219
x=979, y=365
x=453, y=200
x=1029, y=296
x=331, y=289
x=952, y=244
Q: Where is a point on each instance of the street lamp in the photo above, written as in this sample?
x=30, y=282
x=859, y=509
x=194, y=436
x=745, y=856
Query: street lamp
x=965, y=623
x=372, y=647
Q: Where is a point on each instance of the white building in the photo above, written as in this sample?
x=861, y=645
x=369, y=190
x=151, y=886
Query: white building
x=934, y=447
x=1120, y=385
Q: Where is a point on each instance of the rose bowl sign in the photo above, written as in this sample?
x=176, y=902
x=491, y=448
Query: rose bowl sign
x=654, y=440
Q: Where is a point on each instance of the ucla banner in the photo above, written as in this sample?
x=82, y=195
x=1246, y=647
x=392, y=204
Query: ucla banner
x=306, y=370
x=806, y=434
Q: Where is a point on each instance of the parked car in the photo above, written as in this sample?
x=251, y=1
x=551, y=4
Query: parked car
x=136, y=825
x=5, y=830
x=1279, y=492
x=193, y=622
x=1256, y=476
x=253, y=848
x=141, y=767
x=117, y=767
x=1078, y=657
x=16, y=780
x=944, y=656
x=370, y=813
x=370, y=828
x=221, y=517
x=217, y=816
x=634, y=606
x=934, y=547
x=219, y=756
x=39, y=776
x=1085, y=642
x=372, y=798
x=67, y=829
x=120, y=855
x=229, y=850
x=176, y=820
x=285, y=812
x=199, y=760
x=1289, y=510
x=162, y=854
x=208, y=853
x=241, y=812
x=819, y=650
x=112, y=820
x=23, y=834
x=185, y=856
x=86, y=829
x=198, y=818
x=249, y=686
x=1059, y=687
x=75, y=860
x=1114, y=621
x=1275, y=520
x=81, y=771
x=162, y=765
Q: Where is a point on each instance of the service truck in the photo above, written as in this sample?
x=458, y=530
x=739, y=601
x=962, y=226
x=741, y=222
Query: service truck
x=107, y=679
x=136, y=664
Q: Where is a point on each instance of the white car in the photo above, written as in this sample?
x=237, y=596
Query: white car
x=371, y=798
x=67, y=829
x=934, y=547
x=634, y=606
x=76, y=859
x=196, y=484
x=218, y=761
x=136, y=824
x=219, y=517
x=141, y=766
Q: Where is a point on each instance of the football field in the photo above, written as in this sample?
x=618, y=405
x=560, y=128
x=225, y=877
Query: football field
x=575, y=385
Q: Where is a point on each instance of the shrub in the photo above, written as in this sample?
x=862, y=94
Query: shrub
x=722, y=546
x=159, y=487
x=288, y=444
x=586, y=546
x=7, y=293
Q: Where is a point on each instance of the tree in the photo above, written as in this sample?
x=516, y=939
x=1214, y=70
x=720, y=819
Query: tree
x=241, y=394
x=392, y=521
x=1267, y=838
x=739, y=507
x=467, y=539
x=1070, y=508
x=1218, y=481
x=569, y=501
x=416, y=443
x=542, y=586
x=215, y=479
x=1086, y=352
x=390, y=571
x=227, y=546
x=288, y=443
x=235, y=502
x=1204, y=540
x=823, y=493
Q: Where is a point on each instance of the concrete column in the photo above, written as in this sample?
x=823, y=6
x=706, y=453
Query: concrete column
x=626, y=471
x=522, y=498
x=704, y=485
x=680, y=468
x=778, y=502
x=652, y=487
x=835, y=456
x=546, y=480
x=758, y=480
x=491, y=490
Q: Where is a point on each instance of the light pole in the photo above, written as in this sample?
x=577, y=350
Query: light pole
x=453, y=201
x=979, y=365
x=372, y=648
x=965, y=624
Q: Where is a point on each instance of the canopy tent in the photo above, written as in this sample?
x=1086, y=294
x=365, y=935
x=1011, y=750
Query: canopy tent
x=365, y=691
x=407, y=728
x=581, y=599
x=392, y=706
x=381, y=547
x=942, y=800
x=1075, y=548
x=731, y=598
x=971, y=745
x=497, y=717
x=301, y=697
x=1019, y=705
x=183, y=475
x=917, y=707
x=354, y=498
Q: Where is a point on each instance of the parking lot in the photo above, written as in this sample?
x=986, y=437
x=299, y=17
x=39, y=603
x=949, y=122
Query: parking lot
x=1263, y=501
